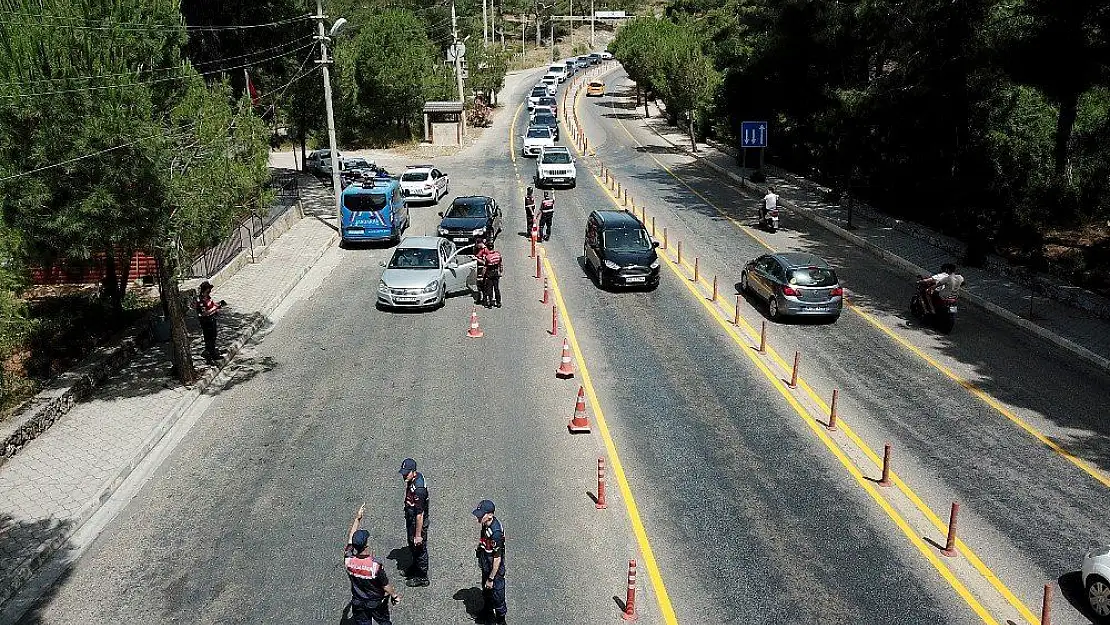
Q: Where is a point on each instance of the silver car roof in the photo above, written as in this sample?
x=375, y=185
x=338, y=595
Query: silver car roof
x=421, y=243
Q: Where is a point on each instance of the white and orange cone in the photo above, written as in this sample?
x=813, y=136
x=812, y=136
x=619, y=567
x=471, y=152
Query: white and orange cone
x=580, y=423
x=475, y=332
x=565, y=370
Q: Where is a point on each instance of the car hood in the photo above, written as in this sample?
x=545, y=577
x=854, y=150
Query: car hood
x=641, y=257
x=463, y=223
x=409, y=278
x=538, y=141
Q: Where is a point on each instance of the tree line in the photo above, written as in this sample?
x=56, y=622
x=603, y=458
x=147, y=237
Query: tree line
x=988, y=119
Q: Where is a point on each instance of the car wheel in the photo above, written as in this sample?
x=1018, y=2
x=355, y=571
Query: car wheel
x=773, y=308
x=744, y=288
x=1098, y=597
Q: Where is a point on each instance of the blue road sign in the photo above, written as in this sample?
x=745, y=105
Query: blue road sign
x=753, y=134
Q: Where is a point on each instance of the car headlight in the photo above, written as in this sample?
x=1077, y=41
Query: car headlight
x=432, y=287
x=610, y=264
x=382, y=288
x=442, y=232
x=477, y=231
x=655, y=264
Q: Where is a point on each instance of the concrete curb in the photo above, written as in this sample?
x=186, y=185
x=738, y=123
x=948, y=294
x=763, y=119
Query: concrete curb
x=905, y=265
x=13, y=582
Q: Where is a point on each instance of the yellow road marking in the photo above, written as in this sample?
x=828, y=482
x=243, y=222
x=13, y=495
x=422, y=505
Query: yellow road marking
x=662, y=597
x=813, y=424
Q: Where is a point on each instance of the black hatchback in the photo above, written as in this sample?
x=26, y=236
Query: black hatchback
x=619, y=251
x=469, y=219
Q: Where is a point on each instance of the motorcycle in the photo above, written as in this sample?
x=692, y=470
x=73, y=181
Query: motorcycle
x=770, y=220
x=943, y=317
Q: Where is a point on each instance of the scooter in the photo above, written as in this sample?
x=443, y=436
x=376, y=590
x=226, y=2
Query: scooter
x=770, y=221
x=943, y=317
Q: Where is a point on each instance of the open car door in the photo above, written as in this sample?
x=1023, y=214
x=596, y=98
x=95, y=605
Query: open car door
x=461, y=273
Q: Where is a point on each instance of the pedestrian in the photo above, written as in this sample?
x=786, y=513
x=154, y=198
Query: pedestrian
x=494, y=267
x=416, y=522
x=547, y=212
x=491, y=561
x=369, y=584
x=207, y=310
x=529, y=212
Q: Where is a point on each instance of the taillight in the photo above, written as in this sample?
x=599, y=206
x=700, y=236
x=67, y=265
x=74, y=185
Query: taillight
x=837, y=292
x=789, y=290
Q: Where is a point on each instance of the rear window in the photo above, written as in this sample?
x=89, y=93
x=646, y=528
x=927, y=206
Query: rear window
x=362, y=202
x=414, y=176
x=545, y=120
x=813, y=276
x=539, y=91
x=539, y=133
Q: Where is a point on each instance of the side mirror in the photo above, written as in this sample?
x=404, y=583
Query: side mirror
x=404, y=192
x=441, y=213
x=381, y=263
x=654, y=243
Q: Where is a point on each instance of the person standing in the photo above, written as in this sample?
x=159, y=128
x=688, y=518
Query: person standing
x=491, y=560
x=547, y=212
x=369, y=584
x=529, y=212
x=416, y=522
x=491, y=286
x=207, y=310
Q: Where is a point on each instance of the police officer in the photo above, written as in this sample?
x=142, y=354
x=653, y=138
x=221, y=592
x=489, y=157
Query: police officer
x=491, y=260
x=491, y=560
x=369, y=584
x=547, y=212
x=416, y=522
x=529, y=211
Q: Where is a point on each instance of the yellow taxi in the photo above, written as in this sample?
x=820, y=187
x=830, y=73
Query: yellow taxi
x=595, y=88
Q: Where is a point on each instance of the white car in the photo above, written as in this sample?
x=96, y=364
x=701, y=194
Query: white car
x=319, y=161
x=555, y=168
x=551, y=81
x=539, y=91
x=424, y=182
x=537, y=138
x=605, y=56
x=424, y=271
x=1096, y=579
x=560, y=71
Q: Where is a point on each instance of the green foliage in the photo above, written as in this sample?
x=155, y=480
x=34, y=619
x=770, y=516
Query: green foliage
x=488, y=65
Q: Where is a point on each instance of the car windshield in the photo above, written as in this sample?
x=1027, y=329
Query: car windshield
x=597, y=84
x=545, y=120
x=414, y=176
x=539, y=91
x=358, y=163
x=362, y=202
x=556, y=158
x=539, y=133
x=813, y=276
x=627, y=239
x=414, y=258
x=466, y=209
x=547, y=101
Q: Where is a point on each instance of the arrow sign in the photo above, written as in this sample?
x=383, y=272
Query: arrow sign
x=753, y=134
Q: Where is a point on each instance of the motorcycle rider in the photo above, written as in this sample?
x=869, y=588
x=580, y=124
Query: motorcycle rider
x=770, y=203
x=945, y=285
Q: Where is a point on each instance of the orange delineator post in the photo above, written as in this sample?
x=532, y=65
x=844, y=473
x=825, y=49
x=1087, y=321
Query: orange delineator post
x=539, y=268
x=652, y=223
x=601, y=484
x=554, y=320
x=736, y=312
x=714, y=298
x=832, y=411
x=629, y=613
x=532, y=254
x=695, y=278
x=950, y=542
x=544, y=300
x=664, y=237
x=680, y=253
x=885, y=481
x=794, y=373
x=763, y=338
x=1046, y=605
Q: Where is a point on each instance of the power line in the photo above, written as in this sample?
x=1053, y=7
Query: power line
x=157, y=80
x=142, y=26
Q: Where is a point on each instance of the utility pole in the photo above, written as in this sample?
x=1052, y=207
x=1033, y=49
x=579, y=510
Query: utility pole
x=325, y=63
x=523, y=30
x=552, y=40
x=458, y=63
x=485, y=23
x=592, y=13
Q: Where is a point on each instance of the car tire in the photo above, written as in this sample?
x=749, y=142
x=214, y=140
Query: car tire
x=1098, y=598
x=744, y=288
x=773, y=309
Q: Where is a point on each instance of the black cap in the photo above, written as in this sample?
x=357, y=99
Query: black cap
x=408, y=465
x=484, y=507
x=359, y=539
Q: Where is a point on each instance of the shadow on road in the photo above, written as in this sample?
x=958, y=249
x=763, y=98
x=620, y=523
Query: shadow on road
x=472, y=601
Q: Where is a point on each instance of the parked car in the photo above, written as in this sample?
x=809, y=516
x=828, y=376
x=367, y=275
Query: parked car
x=538, y=137
x=596, y=88
x=555, y=167
x=424, y=182
x=1096, y=580
x=319, y=161
x=470, y=218
x=548, y=120
x=539, y=91
x=794, y=284
x=619, y=251
x=424, y=271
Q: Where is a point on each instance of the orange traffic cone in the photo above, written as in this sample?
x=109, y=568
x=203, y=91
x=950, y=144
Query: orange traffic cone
x=565, y=370
x=474, y=332
x=580, y=423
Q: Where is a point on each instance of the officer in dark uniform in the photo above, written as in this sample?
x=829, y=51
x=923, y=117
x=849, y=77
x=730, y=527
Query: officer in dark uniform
x=529, y=211
x=547, y=213
x=416, y=522
x=369, y=584
x=491, y=560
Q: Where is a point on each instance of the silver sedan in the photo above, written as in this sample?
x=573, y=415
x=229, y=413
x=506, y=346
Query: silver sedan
x=424, y=271
x=794, y=284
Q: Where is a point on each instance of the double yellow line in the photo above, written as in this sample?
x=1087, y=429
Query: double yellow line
x=724, y=320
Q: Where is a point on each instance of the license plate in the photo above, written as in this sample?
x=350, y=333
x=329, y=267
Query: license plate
x=951, y=309
x=637, y=279
x=817, y=308
x=460, y=239
x=404, y=300
x=558, y=180
x=355, y=230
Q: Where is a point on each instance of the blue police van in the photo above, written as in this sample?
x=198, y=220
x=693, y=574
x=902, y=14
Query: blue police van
x=373, y=210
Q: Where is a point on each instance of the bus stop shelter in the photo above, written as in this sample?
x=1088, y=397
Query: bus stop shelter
x=443, y=123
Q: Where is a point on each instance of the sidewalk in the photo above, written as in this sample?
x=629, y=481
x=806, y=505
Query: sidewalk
x=918, y=250
x=60, y=479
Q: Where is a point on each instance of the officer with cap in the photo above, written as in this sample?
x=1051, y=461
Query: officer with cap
x=416, y=522
x=491, y=560
x=369, y=583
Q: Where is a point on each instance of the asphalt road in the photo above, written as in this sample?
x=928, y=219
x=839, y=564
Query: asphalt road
x=1034, y=512
x=751, y=519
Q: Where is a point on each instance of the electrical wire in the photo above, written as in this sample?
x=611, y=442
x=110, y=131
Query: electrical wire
x=157, y=80
x=142, y=26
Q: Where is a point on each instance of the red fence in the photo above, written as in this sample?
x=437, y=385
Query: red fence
x=92, y=271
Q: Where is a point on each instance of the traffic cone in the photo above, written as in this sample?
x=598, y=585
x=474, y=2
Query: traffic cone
x=565, y=370
x=580, y=423
x=474, y=332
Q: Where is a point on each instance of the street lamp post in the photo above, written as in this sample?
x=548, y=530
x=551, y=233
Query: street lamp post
x=325, y=63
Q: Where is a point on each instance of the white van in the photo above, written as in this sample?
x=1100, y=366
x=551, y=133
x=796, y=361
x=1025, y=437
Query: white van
x=560, y=70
